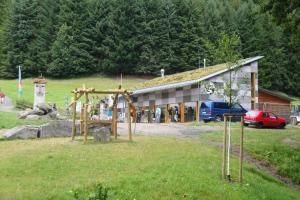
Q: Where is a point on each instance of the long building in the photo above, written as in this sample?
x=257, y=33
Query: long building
x=185, y=91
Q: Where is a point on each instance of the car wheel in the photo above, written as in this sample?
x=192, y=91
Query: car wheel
x=205, y=120
x=219, y=118
x=246, y=124
x=282, y=125
x=260, y=125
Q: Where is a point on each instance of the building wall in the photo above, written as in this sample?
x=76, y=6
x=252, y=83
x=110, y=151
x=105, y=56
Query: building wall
x=265, y=97
x=241, y=86
x=277, y=105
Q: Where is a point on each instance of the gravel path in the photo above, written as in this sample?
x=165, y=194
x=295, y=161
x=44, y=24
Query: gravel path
x=173, y=129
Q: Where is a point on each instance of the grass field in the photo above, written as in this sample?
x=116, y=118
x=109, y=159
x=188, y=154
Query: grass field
x=10, y=120
x=279, y=147
x=57, y=89
x=147, y=168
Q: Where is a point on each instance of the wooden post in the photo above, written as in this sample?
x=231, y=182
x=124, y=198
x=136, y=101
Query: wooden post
x=241, y=151
x=85, y=115
x=74, y=117
x=182, y=112
x=129, y=122
x=114, y=121
x=167, y=120
x=224, y=148
x=85, y=131
x=197, y=111
x=81, y=120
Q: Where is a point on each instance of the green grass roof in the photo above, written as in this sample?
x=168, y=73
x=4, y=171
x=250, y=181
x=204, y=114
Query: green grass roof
x=188, y=75
x=181, y=77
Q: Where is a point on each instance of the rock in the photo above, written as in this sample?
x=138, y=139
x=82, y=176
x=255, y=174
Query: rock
x=33, y=117
x=101, y=134
x=58, y=129
x=23, y=132
x=38, y=112
x=44, y=107
x=24, y=114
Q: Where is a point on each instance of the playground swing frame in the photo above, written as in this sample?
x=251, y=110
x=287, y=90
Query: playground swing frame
x=84, y=122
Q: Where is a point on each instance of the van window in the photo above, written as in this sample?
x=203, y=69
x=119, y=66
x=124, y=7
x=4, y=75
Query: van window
x=203, y=105
x=236, y=106
x=221, y=105
x=252, y=114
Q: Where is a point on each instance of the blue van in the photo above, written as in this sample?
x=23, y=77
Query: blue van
x=213, y=111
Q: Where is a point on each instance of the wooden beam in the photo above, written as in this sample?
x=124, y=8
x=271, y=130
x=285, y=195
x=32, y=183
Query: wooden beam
x=114, y=121
x=99, y=121
x=182, y=112
x=81, y=120
x=167, y=120
x=74, y=119
x=101, y=91
x=241, y=151
x=85, y=123
x=224, y=148
x=197, y=111
x=129, y=123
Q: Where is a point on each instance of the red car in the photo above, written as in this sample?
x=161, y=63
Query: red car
x=263, y=119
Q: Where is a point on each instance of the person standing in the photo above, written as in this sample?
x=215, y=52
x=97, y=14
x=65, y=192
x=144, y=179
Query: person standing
x=157, y=115
x=2, y=97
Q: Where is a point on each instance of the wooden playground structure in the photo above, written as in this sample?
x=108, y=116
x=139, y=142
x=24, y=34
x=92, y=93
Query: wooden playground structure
x=84, y=112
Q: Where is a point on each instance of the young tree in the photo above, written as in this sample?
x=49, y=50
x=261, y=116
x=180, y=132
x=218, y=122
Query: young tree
x=226, y=51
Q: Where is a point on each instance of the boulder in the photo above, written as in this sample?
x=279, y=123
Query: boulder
x=44, y=107
x=33, y=117
x=101, y=134
x=27, y=112
x=23, y=132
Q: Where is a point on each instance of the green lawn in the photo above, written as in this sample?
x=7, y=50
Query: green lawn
x=10, y=120
x=147, y=168
x=279, y=147
x=58, y=89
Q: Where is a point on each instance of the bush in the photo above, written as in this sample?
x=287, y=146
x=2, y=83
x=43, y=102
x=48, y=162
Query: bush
x=97, y=192
x=23, y=104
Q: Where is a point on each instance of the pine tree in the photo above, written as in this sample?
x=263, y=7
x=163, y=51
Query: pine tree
x=72, y=41
x=4, y=10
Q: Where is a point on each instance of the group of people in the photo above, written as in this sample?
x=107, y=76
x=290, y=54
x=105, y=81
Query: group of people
x=158, y=115
x=2, y=97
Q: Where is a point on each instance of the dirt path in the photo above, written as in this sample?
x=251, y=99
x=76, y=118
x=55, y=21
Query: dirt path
x=7, y=106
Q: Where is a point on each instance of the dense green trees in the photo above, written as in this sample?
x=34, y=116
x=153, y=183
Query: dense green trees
x=70, y=38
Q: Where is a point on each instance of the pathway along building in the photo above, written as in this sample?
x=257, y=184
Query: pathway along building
x=182, y=93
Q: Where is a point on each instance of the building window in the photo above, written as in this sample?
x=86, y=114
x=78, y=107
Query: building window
x=134, y=99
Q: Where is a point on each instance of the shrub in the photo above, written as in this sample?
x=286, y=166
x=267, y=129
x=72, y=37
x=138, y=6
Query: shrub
x=97, y=192
x=23, y=104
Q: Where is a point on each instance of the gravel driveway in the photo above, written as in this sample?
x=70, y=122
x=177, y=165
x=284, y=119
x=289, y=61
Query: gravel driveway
x=173, y=129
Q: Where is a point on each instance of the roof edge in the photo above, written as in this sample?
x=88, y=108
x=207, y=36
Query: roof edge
x=274, y=93
x=190, y=82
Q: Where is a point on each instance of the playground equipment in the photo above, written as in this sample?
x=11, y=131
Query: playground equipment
x=227, y=146
x=84, y=121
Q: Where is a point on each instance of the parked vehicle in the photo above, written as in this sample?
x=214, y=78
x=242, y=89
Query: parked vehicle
x=262, y=119
x=214, y=111
x=295, y=118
